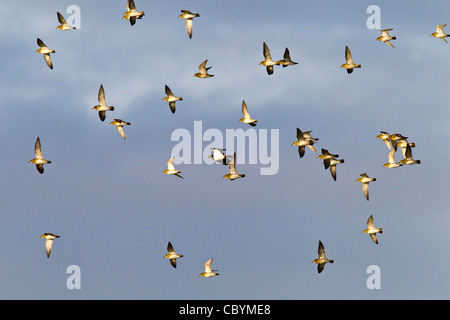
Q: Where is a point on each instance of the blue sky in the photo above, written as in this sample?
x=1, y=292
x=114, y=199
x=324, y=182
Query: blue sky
x=114, y=209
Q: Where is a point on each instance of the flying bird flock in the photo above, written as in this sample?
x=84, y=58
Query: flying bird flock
x=304, y=139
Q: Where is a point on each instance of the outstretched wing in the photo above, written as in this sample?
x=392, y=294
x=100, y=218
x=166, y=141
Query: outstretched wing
x=370, y=222
x=348, y=55
x=102, y=115
x=121, y=131
x=408, y=151
x=168, y=91
x=172, y=106
x=439, y=28
x=130, y=5
x=207, y=265
x=48, y=60
x=389, y=44
x=101, y=96
x=170, y=165
x=266, y=52
x=333, y=171
x=189, y=23
x=373, y=236
x=40, y=43
x=299, y=134
x=61, y=18
x=321, y=250
x=37, y=149
x=391, y=156
x=48, y=247
x=245, y=110
x=202, y=66
x=170, y=248
x=385, y=32
x=301, y=151
x=232, y=164
x=365, y=189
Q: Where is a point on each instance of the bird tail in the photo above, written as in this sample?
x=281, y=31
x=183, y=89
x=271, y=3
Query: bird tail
x=381, y=230
x=111, y=108
x=394, y=38
x=330, y=261
x=418, y=161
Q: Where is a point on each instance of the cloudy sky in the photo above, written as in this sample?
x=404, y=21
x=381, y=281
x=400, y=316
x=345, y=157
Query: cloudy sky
x=114, y=209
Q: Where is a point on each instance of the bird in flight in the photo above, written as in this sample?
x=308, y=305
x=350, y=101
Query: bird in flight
x=440, y=32
x=171, y=169
x=302, y=142
x=44, y=50
x=203, y=71
x=371, y=230
x=218, y=155
x=247, y=118
x=39, y=159
x=391, y=161
x=208, y=273
x=364, y=180
x=49, y=242
x=172, y=255
x=119, y=125
x=408, y=158
x=132, y=14
x=63, y=24
x=232, y=175
x=287, y=59
x=333, y=163
x=189, y=17
x=385, y=37
x=268, y=62
x=349, y=64
x=171, y=98
x=102, y=107
x=322, y=259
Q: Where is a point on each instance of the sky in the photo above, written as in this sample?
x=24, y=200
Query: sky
x=115, y=211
